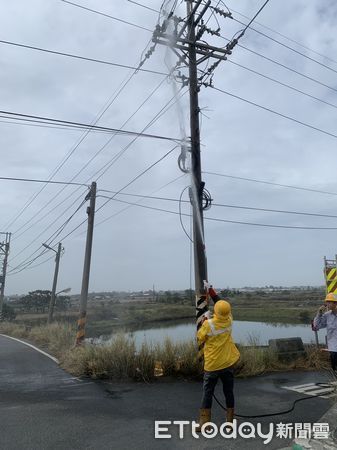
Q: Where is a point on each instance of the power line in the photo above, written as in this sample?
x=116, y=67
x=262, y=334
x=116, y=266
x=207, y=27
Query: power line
x=228, y=221
x=141, y=198
x=119, y=192
x=29, y=266
x=18, y=235
x=106, y=15
x=100, y=114
x=270, y=183
x=143, y=6
x=106, y=166
x=91, y=159
x=140, y=175
x=274, y=80
x=23, y=265
x=176, y=200
x=76, y=145
x=288, y=47
x=285, y=37
x=84, y=58
x=284, y=66
x=87, y=126
x=32, y=180
x=252, y=20
x=165, y=108
x=276, y=112
x=54, y=235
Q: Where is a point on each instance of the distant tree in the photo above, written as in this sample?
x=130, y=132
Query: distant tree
x=8, y=312
x=37, y=301
x=62, y=303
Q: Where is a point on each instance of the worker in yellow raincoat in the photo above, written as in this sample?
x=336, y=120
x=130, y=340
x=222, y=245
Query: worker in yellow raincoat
x=220, y=355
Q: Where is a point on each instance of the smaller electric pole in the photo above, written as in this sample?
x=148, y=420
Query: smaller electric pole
x=56, y=272
x=86, y=268
x=4, y=252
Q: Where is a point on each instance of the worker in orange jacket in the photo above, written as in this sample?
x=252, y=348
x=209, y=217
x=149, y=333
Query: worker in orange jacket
x=220, y=355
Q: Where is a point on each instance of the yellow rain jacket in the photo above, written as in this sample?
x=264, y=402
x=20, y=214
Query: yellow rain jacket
x=220, y=351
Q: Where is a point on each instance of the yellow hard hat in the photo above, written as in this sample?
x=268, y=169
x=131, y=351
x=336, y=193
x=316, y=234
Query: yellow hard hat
x=331, y=298
x=222, y=309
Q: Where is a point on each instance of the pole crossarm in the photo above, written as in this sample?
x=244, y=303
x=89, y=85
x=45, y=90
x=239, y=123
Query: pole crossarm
x=207, y=51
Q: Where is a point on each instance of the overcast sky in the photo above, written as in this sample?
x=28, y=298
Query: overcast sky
x=138, y=248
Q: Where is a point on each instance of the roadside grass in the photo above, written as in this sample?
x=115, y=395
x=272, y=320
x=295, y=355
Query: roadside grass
x=120, y=359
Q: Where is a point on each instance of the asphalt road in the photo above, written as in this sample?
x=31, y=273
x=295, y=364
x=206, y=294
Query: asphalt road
x=42, y=407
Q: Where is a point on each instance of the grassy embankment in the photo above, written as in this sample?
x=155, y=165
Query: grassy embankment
x=120, y=359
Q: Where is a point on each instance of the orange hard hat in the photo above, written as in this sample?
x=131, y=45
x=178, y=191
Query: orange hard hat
x=331, y=298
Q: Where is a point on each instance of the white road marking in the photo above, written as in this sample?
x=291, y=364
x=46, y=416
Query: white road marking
x=33, y=347
x=313, y=389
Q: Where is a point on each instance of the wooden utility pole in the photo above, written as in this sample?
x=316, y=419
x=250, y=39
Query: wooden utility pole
x=86, y=268
x=53, y=292
x=4, y=252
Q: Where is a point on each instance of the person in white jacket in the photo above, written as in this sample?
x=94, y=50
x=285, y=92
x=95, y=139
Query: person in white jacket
x=326, y=317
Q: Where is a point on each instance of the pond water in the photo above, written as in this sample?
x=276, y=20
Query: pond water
x=244, y=332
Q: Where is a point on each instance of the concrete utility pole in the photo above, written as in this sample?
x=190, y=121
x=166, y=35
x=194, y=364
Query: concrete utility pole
x=187, y=42
x=200, y=261
x=4, y=252
x=86, y=268
x=56, y=272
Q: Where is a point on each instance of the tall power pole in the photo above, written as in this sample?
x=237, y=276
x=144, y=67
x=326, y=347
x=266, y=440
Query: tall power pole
x=185, y=41
x=86, y=268
x=4, y=252
x=200, y=261
x=56, y=272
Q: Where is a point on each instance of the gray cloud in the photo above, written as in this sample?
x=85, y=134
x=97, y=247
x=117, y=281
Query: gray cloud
x=139, y=247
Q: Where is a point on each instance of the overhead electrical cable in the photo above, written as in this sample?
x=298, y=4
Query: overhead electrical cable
x=320, y=130
x=143, y=6
x=111, y=100
x=288, y=47
x=284, y=66
x=100, y=114
x=165, y=108
x=81, y=57
x=88, y=126
x=176, y=200
x=27, y=263
x=55, y=234
x=35, y=123
x=140, y=175
x=269, y=183
x=252, y=20
x=141, y=198
x=228, y=221
x=35, y=180
x=274, y=80
x=18, y=234
x=106, y=166
x=150, y=123
x=107, y=15
x=284, y=36
x=124, y=187
x=28, y=267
